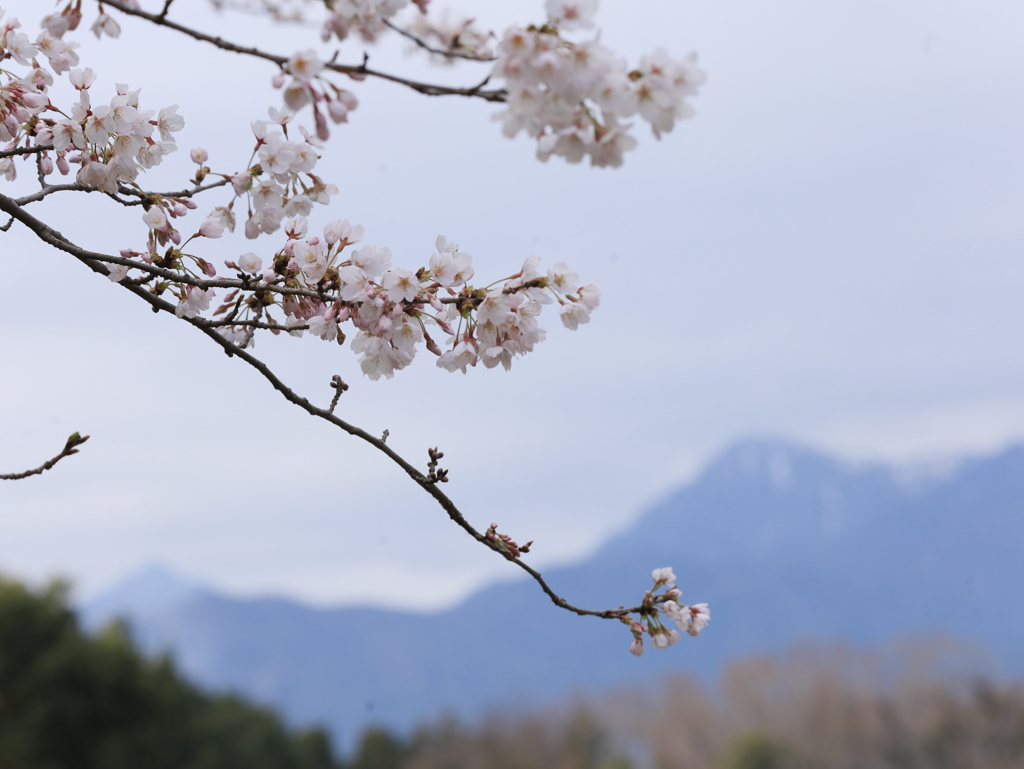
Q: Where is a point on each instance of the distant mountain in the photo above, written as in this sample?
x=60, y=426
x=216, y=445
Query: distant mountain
x=785, y=543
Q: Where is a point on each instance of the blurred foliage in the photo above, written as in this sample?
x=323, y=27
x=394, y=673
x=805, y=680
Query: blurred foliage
x=71, y=701
x=756, y=751
x=379, y=749
x=819, y=708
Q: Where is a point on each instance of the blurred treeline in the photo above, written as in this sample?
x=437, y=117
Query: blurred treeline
x=916, y=707
x=70, y=701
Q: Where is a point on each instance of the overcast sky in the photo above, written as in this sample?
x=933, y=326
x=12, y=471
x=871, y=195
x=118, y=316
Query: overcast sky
x=831, y=252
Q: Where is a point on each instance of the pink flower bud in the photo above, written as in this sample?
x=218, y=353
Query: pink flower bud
x=46, y=165
x=338, y=111
x=323, y=133
x=178, y=209
x=34, y=100
x=343, y=314
x=211, y=228
x=383, y=324
x=269, y=275
x=208, y=268
x=277, y=80
x=348, y=99
x=62, y=165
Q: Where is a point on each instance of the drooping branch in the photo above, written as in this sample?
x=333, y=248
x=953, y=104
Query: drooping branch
x=74, y=440
x=428, y=482
x=357, y=70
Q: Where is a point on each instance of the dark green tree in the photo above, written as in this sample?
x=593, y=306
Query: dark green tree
x=71, y=701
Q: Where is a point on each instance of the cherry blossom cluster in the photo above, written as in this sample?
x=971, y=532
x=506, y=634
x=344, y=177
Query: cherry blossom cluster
x=572, y=96
x=307, y=87
x=320, y=283
x=505, y=544
x=282, y=182
x=110, y=143
x=660, y=602
x=278, y=183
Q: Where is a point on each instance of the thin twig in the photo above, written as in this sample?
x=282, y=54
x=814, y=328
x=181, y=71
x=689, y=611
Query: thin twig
x=48, y=235
x=75, y=439
x=494, y=95
x=142, y=195
x=440, y=51
x=339, y=387
x=49, y=189
x=176, y=194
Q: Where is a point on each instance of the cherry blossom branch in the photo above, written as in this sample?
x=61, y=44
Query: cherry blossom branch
x=13, y=207
x=75, y=439
x=494, y=95
x=50, y=189
x=439, y=51
x=143, y=195
x=429, y=483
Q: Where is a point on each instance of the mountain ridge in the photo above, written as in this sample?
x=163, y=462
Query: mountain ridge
x=785, y=543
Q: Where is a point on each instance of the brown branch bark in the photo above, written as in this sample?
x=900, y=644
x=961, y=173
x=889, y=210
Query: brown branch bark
x=26, y=150
x=75, y=439
x=50, y=236
x=429, y=89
